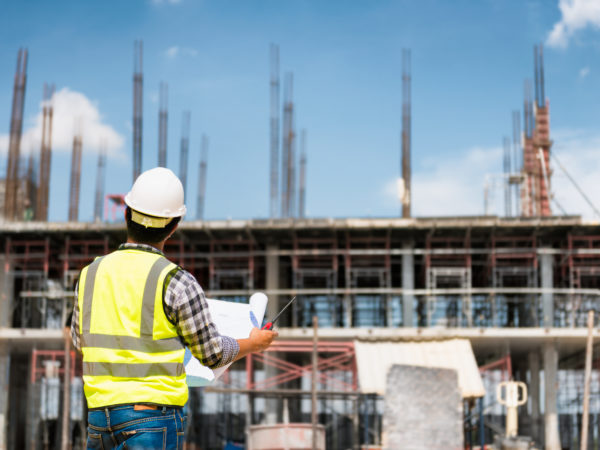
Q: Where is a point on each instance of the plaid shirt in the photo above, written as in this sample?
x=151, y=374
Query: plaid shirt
x=186, y=308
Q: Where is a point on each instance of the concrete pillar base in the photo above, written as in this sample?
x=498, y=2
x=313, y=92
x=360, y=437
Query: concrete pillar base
x=552, y=439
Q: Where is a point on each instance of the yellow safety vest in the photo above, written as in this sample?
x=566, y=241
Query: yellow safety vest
x=131, y=351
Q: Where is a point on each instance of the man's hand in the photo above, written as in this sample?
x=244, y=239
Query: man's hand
x=262, y=339
x=258, y=341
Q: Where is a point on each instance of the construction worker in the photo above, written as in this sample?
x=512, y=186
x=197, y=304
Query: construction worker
x=135, y=312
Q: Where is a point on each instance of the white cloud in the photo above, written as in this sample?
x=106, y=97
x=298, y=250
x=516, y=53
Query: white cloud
x=70, y=109
x=453, y=185
x=172, y=52
x=450, y=184
x=584, y=72
x=577, y=151
x=576, y=15
x=175, y=51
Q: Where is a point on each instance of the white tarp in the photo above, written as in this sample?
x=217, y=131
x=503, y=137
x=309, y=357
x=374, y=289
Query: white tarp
x=374, y=360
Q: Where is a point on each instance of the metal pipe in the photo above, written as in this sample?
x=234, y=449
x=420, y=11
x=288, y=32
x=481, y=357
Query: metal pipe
x=65, y=442
x=588, y=377
x=314, y=417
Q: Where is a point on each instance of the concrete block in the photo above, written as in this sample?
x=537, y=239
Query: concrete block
x=423, y=409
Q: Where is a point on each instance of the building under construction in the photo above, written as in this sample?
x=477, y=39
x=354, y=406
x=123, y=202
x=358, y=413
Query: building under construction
x=517, y=289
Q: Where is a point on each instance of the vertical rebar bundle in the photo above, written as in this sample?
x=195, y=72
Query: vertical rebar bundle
x=302, y=195
x=506, y=179
x=541, y=139
x=516, y=157
x=274, y=128
x=406, y=133
x=185, y=146
x=162, y=125
x=30, y=189
x=287, y=160
x=41, y=212
x=14, y=145
x=202, y=178
x=75, y=177
x=138, y=81
x=100, y=180
x=527, y=189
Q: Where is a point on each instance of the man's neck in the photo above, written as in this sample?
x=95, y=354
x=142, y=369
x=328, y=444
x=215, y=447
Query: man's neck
x=159, y=245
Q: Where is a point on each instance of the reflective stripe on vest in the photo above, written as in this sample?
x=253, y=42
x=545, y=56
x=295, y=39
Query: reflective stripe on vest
x=129, y=368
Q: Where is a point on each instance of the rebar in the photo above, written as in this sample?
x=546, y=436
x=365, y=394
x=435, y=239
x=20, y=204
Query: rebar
x=45, y=155
x=288, y=163
x=14, y=145
x=202, y=178
x=184, y=150
x=75, y=176
x=138, y=81
x=100, y=181
x=302, y=194
x=162, y=125
x=406, y=132
x=274, y=128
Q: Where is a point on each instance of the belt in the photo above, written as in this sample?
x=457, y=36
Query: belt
x=136, y=407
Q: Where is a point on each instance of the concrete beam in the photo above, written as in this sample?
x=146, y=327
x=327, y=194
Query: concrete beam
x=484, y=340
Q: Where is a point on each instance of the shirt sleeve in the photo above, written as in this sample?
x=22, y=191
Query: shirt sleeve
x=76, y=338
x=186, y=307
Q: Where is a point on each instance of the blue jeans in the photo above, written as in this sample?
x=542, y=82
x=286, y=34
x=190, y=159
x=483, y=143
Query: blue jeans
x=121, y=427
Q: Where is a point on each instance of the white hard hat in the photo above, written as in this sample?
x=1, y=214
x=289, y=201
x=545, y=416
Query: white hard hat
x=157, y=192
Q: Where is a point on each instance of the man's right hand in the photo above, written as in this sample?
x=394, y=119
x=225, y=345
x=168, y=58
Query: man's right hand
x=262, y=339
x=258, y=341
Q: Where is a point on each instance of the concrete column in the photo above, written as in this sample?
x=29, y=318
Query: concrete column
x=550, y=396
x=408, y=283
x=4, y=380
x=272, y=282
x=534, y=393
x=547, y=281
x=6, y=307
x=6, y=294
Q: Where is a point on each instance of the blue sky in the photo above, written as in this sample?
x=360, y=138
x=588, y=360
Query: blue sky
x=469, y=61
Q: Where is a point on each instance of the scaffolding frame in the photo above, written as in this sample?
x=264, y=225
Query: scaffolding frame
x=310, y=270
x=444, y=268
x=367, y=270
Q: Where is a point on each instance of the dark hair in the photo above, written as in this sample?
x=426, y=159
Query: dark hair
x=143, y=235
